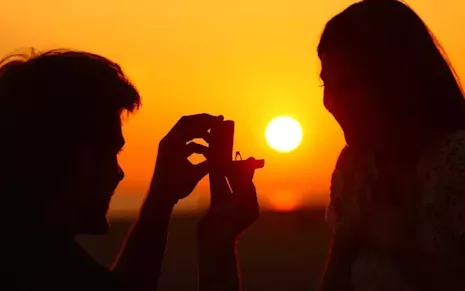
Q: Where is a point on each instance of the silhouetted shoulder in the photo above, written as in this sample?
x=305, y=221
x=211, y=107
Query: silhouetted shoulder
x=343, y=189
x=345, y=158
x=53, y=262
x=442, y=178
x=451, y=149
x=355, y=171
x=336, y=187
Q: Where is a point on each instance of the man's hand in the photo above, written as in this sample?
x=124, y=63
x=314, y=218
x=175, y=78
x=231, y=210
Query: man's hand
x=217, y=232
x=175, y=177
x=230, y=213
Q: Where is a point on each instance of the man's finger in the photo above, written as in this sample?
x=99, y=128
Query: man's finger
x=246, y=197
x=241, y=180
x=219, y=188
x=195, y=148
x=243, y=171
x=244, y=188
x=194, y=126
x=201, y=170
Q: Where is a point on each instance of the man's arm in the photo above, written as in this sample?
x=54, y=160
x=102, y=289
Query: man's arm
x=218, y=231
x=175, y=177
x=218, y=266
x=141, y=257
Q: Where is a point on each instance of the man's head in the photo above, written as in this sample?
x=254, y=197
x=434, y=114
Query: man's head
x=61, y=129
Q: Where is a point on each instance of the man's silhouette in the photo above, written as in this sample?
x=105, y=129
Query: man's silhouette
x=61, y=135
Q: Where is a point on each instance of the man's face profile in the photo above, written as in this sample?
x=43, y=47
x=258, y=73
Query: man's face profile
x=92, y=184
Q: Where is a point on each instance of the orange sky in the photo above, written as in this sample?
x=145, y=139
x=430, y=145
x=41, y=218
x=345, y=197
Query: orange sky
x=249, y=60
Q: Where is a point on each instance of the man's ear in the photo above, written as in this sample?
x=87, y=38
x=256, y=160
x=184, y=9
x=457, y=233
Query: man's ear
x=84, y=158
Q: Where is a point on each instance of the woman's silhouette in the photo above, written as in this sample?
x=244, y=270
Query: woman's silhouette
x=398, y=191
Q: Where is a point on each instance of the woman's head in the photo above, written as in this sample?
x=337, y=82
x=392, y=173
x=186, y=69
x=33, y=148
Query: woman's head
x=383, y=71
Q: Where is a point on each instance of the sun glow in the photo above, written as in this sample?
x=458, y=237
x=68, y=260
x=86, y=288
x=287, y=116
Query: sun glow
x=283, y=134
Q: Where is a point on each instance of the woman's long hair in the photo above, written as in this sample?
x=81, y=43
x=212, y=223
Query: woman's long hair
x=400, y=63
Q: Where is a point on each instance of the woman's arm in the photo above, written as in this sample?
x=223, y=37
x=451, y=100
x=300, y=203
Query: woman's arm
x=342, y=253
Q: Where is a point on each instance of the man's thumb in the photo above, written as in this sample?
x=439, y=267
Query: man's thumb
x=201, y=170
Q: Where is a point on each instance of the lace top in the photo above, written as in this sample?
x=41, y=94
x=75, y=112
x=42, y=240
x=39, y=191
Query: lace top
x=440, y=179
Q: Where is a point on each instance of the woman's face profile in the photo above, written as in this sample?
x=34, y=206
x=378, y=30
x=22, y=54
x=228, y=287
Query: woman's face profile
x=344, y=95
x=335, y=75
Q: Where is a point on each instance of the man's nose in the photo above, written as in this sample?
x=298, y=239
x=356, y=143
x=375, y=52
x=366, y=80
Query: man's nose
x=120, y=173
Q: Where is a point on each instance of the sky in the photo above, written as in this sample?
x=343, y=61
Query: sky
x=249, y=60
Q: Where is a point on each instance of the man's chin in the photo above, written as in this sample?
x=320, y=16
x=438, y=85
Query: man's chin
x=95, y=228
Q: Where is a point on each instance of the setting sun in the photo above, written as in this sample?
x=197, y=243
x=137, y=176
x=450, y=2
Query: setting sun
x=283, y=134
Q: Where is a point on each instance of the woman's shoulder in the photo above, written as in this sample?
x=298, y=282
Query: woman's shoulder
x=349, y=159
x=336, y=187
x=352, y=171
x=443, y=166
x=442, y=181
x=344, y=164
x=448, y=151
x=452, y=142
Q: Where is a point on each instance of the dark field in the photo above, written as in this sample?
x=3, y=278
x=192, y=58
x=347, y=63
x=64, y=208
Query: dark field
x=281, y=251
